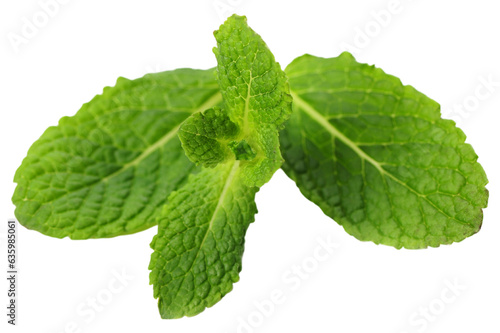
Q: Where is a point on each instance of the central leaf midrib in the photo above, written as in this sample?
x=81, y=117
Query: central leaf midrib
x=320, y=119
x=227, y=184
x=334, y=131
x=214, y=99
x=211, y=101
x=162, y=141
x=246, y=110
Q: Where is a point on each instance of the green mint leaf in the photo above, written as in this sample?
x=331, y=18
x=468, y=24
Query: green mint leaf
x=256, y=97
x=108, y=170
x=199, y=245
x=206, y=136
x=376, y=156
x=242, y=150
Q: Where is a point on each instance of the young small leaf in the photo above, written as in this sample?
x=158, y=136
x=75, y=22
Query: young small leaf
x=108, y=170
x=376, y=156
x=256, y=96
x=242, y=150
x=206, y=136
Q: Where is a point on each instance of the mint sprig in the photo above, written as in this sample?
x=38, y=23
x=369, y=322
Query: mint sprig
x=199, y=247
x=189, y=149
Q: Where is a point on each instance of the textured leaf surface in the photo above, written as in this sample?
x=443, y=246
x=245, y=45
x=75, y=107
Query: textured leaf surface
x=108, y=170
x=256, y=96
x=205, y=137
x=199, y=245
x=377, y=157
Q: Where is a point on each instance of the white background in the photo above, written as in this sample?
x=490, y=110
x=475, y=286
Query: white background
x=443, y=48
